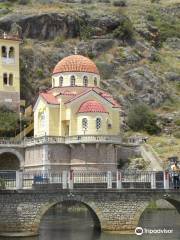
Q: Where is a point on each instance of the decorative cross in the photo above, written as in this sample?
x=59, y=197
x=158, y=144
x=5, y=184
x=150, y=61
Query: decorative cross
x=75, y=50
x=4, y=35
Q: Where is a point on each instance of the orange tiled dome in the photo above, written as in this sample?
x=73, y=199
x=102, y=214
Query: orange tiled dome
x=91, y=106
x=76, y=63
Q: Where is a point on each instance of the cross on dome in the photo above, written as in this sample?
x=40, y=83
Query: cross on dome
x=75, y=50
x=4, y=35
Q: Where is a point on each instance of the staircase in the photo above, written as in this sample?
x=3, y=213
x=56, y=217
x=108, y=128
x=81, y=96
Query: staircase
x=24, y=132
x=151, y=156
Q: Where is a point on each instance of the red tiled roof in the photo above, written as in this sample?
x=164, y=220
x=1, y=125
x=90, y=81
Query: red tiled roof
x=92, y=106
x=76, y=63
x=49, y=98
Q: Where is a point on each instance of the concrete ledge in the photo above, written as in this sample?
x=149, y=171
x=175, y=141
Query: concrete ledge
x=18, y=234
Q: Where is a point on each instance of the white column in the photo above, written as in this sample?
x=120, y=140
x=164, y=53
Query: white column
x=118, y=179
x=19, y=179
x=109, y=179
x=64, y=179
x=166, y=179
x=153, y=180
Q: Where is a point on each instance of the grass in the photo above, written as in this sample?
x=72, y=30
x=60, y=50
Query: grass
x=165, y=146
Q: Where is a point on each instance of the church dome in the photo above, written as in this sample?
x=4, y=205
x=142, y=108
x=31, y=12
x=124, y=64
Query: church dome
x=76, y=63
x=92, y=106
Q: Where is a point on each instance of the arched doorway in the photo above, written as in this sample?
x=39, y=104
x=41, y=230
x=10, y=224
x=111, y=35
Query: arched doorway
x=9, y=161
x=67, y=218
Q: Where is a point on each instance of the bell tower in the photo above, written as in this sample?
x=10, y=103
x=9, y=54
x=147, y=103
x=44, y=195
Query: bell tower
x=9, y=72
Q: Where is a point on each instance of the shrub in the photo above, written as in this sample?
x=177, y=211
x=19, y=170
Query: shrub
x=141, y=117
x=2, y=184
x=168, y=26
x=125, y=30
x=58, y=41
x=40, y=73
x=177, y=122
x=24, y=2
x=120, y=3
x=177, y=134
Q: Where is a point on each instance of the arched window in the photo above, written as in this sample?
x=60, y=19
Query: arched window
x=10, y=79
x=73, y=80
x=5, y=78
x=11, y=52
x=84, y=123
x=4, y=51
x=95, y=81
x=60, y=81
x=85, y=81
x=98, y=123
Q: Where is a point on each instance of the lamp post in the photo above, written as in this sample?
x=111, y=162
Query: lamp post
x=20, y=119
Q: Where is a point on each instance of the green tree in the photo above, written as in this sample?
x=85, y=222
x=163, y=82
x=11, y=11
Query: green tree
x=125, y=31
x=8, y=122
x=141, y=117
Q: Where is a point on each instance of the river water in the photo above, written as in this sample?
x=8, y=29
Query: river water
x=74, y=223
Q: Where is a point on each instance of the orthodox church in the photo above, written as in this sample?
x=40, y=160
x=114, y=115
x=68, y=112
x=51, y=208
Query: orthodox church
x=76, y=105
x=76, y=123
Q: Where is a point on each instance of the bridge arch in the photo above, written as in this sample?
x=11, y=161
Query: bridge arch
x=172, y=201
x=10, y=159
x=96, y=217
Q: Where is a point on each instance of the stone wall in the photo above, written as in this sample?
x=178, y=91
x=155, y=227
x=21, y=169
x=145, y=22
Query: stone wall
x=75, y=156
x=127, y=151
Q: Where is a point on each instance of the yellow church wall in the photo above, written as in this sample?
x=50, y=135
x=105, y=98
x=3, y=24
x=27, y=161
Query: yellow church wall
x=64, y=120
x=39, y=129
x=112, y=117
x=53, y=113
x=78, y=79
x=10, y=67
x=91, y=130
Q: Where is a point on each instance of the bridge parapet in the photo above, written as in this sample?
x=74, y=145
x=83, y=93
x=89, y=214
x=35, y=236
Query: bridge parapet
x=86, y=179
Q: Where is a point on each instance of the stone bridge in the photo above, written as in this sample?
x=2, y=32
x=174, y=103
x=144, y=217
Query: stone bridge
x=112, y=210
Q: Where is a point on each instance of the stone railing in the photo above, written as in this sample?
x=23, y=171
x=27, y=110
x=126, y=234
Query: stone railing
x=43, y=140
x=66, y=140
x=10, y=142
x=93, y=139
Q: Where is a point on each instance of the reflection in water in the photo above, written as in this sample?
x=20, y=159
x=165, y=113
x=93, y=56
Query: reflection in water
x=75, y=223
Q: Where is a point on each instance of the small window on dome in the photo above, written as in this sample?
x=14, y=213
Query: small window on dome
x=73, y=80
x=84, y=123
x=95, y=81
x=85, y=81
x=98, y=123
x=61, y=81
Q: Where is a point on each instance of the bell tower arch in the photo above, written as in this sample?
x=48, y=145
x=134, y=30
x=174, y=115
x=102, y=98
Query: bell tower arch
x=9, y=71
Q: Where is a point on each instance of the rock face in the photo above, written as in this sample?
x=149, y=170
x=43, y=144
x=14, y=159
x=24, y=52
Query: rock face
x=147, y=87
x=47, y=26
